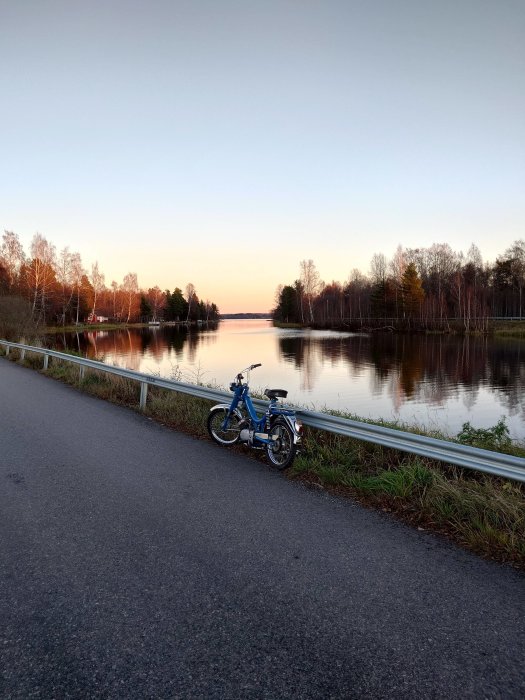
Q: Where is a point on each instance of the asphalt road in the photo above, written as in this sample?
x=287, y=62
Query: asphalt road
x=136, y=562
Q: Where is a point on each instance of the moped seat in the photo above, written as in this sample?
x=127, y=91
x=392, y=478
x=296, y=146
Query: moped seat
x=276, y=393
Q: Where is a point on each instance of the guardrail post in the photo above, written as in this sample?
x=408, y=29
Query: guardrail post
x=143, y=395
x=46, y=361
x=7, y=348
x=22, y=354
x=81, y=373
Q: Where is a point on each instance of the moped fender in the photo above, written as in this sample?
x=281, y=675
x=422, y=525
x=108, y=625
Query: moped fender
x=227, y=407
x=290, y=419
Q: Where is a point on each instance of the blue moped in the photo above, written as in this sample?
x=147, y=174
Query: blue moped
x=278, y=431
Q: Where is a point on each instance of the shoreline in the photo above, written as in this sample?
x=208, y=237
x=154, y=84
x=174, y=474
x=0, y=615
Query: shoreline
x=505, y=328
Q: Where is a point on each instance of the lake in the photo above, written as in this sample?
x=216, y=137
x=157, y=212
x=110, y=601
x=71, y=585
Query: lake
x=434, y=381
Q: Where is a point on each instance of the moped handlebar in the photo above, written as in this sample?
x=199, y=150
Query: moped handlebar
x=240, y=376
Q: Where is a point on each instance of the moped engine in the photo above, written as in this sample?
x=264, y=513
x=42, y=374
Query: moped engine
x=247, y=436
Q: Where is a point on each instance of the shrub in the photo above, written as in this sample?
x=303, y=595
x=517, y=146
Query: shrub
x=495, y=438
x=16, y=322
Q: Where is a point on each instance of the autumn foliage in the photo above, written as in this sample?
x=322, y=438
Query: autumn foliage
x=417, y=288
x=58, y=290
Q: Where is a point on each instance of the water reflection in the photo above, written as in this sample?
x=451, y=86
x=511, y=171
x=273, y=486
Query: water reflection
x=130, y=346
x=424, y=368
x=444, y=380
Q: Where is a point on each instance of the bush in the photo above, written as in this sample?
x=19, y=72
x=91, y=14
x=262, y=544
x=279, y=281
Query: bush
x=16, y=323
x=496, y=438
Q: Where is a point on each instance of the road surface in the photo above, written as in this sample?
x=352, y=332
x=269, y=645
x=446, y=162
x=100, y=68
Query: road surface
x=137, y=562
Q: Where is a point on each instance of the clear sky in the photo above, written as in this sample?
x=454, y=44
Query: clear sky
x=223, y=141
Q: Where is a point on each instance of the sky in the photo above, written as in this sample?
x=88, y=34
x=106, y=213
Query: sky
x=221, y=142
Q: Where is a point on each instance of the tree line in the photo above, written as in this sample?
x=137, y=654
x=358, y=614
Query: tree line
x=432, y=287
x=59, y=289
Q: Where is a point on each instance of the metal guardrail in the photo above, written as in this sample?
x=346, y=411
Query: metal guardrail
x=494, y=463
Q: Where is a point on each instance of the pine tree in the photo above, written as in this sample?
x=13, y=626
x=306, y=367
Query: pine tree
x=413, y=293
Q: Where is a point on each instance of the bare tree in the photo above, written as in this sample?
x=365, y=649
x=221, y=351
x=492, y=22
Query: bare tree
x=40, y=274
x=97, y=282
x=156, y=298
x=190, y=294
x=311, y=282
x=12, y=255
x=474, y=256
x=516, y=255
x=398, y=265
x=378, y=268
x=443, y=263
x=65, y=278
x=77, y=273
x=475, y=293
x=131, y=288
x=356, y=292
x=114, y=289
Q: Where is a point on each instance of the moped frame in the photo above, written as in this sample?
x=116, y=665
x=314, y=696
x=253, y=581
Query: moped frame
x=260, y=424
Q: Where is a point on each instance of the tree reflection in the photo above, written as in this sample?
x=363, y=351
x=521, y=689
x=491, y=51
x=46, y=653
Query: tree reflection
x=427, y=368
x=128, y=346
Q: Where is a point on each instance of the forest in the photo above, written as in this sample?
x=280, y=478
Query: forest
x=418, y=288
x=59, y=290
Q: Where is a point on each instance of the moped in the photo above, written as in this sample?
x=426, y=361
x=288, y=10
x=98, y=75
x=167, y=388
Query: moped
x=277, y=431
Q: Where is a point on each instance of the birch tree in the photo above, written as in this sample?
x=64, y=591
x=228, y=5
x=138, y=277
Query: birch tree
x=190, y=294
x=156, y=299
x=311, y=283
x=12, y=256
x=65, y=279
x=378, y=268
x=97, y=282
x=40, y=274
x=114, y=289
x=131, y=288
x=77, y=274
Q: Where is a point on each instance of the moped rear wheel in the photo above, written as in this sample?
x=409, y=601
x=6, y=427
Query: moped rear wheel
x=282, y=449
x=228, y=436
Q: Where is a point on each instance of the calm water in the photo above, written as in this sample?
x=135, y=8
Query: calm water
x=433, y=381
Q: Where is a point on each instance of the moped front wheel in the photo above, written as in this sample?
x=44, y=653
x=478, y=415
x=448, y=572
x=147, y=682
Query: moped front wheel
x=282, y=449
x=228, y=435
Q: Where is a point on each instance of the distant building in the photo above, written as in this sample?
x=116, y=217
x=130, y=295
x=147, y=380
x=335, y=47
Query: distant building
x=93, y=318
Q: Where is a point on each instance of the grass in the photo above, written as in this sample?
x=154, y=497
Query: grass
x=282, y=324
x=92, y=327
x=509, y=329
x=482, y=513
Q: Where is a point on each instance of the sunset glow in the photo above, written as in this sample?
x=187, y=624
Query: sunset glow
x=222, y=143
